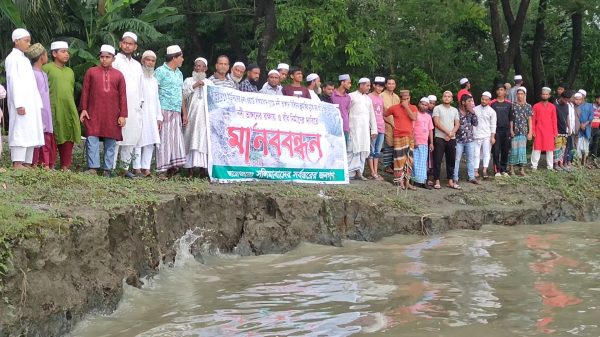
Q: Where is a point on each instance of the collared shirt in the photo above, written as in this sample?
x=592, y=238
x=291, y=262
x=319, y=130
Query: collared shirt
x=247, y=86
x=226, y=82
x=269, y=90
x=465, y=131
x=170, y=87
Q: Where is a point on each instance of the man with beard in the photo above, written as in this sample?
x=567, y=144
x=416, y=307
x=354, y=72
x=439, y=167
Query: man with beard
x=237, y=73
x=405, y=114
x=446, y=121
x=195, y=132
x=313, y=84
x=362, y=129
x=465, y=86
x=484, y=134
x=272, y=86
x=132, y=71
x=296, y=89
x=423, y=130
x=501, y=147
x=220, y=78
x=327, y=92
x=282, y=69
x=250, y=84
x=432, y=103
x=151, y=117
x=544, y=129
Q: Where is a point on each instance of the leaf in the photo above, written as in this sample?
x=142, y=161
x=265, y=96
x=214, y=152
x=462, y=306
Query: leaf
x=8, y=9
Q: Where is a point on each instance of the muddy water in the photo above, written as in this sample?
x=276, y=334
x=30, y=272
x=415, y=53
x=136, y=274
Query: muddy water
x=500, y=281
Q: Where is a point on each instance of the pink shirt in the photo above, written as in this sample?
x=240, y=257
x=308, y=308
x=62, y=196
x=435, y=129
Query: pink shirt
x=378, y=107
x=422, y=126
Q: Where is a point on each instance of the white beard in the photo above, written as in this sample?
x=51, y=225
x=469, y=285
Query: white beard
x=198, y=76
x=148, y=71
x=318, y=90
x=236, y=79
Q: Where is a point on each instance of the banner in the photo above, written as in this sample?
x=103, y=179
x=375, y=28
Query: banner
x=266, y=137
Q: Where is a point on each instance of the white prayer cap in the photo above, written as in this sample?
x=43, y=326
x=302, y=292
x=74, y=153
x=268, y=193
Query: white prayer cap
x=344, y=77
x=311, y=77
x=148, y=53
x=546, y=89
x=425, y=100
x=19, y=33
x=239, y=64
x=59, y=45
x=463, y=81
x=523, y=89
x=487, y=94
x=583, y=92
x=518, y=78
x=174, y=49
x=432, y=98
x=273, y=72
x=379, y=79
x=578, y=95
x=364, y=80
x=130, y=35
x=283, y=66
x=108, y=49
x=201, y=59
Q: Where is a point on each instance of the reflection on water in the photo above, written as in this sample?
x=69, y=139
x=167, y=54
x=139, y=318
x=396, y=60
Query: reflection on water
x=500, y=281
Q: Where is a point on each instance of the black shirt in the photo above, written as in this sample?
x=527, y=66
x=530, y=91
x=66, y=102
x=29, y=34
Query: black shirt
x=326, y=99
x=562, y=118
x=502, y=114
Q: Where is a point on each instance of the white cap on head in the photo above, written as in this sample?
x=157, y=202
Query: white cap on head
x=523, y=89
x=283, y=66
x=379, y=79
x=583, y=92
x=105, y=48
x=130, y=35
x=518, y=78
x=463, y=81
x=201, y=59
x=343, y=77
x=273, y=72
x=432, y=98
x=311, y=77
x=56, y=45
x=578, y=95
x=487, y=94
x=239, y=64
x=148, y=53
x=424, y=100
x=19, y=33
x=174, y=49
x=546, y=89
x=364, y=80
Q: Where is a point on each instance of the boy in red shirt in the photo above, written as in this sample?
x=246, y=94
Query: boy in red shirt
x=404, y=116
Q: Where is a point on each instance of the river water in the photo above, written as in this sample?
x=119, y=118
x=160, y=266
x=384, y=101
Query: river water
x=499, y=281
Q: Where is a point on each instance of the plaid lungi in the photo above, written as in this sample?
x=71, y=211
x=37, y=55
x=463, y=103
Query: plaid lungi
x=403, y=157
x=518, y=151
x=560, y=143
x=421, y=155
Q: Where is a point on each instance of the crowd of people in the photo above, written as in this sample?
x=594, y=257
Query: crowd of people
x=135, y=108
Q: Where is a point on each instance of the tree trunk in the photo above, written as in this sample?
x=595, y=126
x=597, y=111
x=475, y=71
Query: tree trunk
x=536, y=50
x=194, y=48
x=515, y=34
x=267, y=11
x=577, y=26
x=497, y=37
x=232, y=36
x=510, y=22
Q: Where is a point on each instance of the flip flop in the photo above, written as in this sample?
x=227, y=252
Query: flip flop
x=437, y=186
x=455, y=186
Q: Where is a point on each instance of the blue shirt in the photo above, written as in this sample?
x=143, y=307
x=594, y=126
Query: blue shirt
x=170, y=87
x=586, y=114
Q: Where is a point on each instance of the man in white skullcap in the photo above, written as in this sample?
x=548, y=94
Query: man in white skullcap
x=484, y=134
x=272, y=86
x=313, y=84
x=151, y=117
x=170, y=154
x=423, y=131
x=195, y=133
x=103, y=106
x=237, y=73
x=283, y=70
x=432, y=103
x=544, y=130
x=250, y=83
x=342, y=99
x=512, y=93
x=465, y=86
x=221, y=78
x=132, y=71
x=583, y=133
x=25, y=131
x=65, y=117
x=362, y=129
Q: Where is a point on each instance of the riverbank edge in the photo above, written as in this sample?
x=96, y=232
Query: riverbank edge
x=59, y=278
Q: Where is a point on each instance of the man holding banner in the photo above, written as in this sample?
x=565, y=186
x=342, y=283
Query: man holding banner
x=363, y=128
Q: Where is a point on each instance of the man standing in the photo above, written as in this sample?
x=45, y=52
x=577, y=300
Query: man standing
x=446, y=122
x=26, y=130
x=501, y=147
x=132, y=71
x=512, y=93
x=282, y=69
x=220, y=78
x=151, y=115
x=170, y=154
x=196, y=131
x=465, y=86
x=484, y=134
x=103, y=106
x=342, y=99
x=464, y=139
x=296, y=89
x=595, y=127
x=389, y=98
x=327, y=92
x=377, y=143
x=65, y=118
x=272, y=86
x=404, y=116
x=584, y=132
x=44, y=156
x=562, y=87
x=564, y=129
x=313, y=84
x=423, y=129
x=363, y=129
x=544, y=129
x=520, y=131
x=432, y=103
x=250, y=84
x=237, y=73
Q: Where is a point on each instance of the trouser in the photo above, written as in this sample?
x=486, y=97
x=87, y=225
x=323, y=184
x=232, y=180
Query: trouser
x=482, y=152
x=65, y=151
x=571, y=146
x=21, y=154
x=143, y=157
x=467, y=148
x=441, y=149
x=45, y=155
x=127, y=152
x=594, y=143
x=92, y=147
x=501, y=150
x=535, y=158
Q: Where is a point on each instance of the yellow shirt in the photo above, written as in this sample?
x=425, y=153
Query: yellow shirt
x=388, y=101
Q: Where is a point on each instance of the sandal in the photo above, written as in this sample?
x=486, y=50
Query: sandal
x=455, y=186
x=389, y=170
x=437, y=186
x=475, y=182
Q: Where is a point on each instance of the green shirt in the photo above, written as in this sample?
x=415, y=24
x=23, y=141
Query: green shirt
x=65, y=117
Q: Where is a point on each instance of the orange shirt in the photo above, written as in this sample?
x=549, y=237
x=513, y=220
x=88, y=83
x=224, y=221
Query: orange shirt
x=403, y=125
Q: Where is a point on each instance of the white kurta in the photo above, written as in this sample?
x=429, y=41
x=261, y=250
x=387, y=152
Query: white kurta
x=151, y=113
x=362, y=122
x=314, y=96
x=24, y=130
x=132, y=71
x=195, y=133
